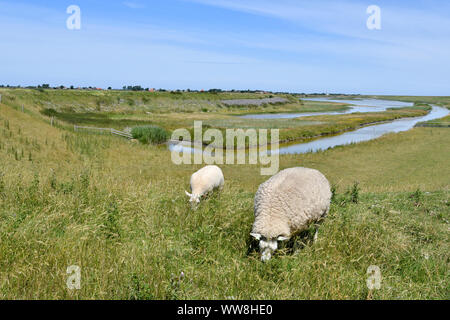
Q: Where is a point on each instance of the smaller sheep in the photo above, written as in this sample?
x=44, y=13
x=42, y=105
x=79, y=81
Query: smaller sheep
x=204, y=181
x=286, y=204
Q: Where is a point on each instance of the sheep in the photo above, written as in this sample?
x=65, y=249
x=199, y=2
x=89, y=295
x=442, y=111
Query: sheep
x=204, y=181
x=286, y=204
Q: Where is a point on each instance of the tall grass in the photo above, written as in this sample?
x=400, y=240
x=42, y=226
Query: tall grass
x=150, y=134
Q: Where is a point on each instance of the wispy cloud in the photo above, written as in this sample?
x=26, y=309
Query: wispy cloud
x=133, y=5
x=214, y=62
x=346, y=18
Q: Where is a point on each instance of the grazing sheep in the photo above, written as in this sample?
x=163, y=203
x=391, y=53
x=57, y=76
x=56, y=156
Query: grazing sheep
x=204, y=181
x=286, y=204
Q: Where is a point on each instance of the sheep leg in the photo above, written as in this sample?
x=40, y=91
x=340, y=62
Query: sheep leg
x=316, y=234
x=319, y=222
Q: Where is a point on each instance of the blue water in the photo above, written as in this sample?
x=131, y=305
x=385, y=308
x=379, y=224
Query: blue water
x=363, y=105
x=359, y=135
x=363, y=134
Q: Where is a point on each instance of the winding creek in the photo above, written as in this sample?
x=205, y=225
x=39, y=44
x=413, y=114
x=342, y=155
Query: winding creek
x=359, y=135
x=362, y=106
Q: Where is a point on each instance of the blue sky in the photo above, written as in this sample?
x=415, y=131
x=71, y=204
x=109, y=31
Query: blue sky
x=283, y=45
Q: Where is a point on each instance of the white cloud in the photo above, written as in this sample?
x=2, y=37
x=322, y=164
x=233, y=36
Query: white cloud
x=133, y=5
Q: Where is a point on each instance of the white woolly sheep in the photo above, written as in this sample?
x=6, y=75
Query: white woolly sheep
x=204, y=181
x=286, y=204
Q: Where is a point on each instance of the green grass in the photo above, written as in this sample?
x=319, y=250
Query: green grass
x=443, y=122
x=118, y=211
x=128, y=254
x=150, y=134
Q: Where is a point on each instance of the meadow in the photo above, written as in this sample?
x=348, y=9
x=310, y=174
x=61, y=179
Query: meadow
x=118, y=210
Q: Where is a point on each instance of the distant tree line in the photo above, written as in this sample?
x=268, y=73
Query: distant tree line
x=41, y=87
x=134, y=88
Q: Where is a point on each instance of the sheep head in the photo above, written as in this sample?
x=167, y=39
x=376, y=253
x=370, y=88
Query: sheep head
x=194, y=198
x=267, y=246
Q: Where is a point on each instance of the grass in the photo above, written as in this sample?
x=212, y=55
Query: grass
x=150, y=134
x=83, y=101
x=118, y=211
x=443, y=122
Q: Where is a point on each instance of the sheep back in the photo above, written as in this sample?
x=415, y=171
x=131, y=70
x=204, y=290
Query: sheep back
x=289, y=201
x=206, y=179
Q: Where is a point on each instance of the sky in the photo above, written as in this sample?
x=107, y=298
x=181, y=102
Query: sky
x=283, y=45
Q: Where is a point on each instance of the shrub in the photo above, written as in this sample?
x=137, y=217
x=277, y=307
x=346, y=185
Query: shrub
x=417, y=197
x=111, y=227
x=150, y=134
x=139, y=288
x=49, y=112
x=354, y=193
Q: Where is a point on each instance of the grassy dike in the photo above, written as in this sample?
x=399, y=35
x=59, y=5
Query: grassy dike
x=118, y=211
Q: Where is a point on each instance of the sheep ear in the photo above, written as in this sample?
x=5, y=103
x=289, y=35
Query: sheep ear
x=282, y=238
x=187, y=193
x=257, y=236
